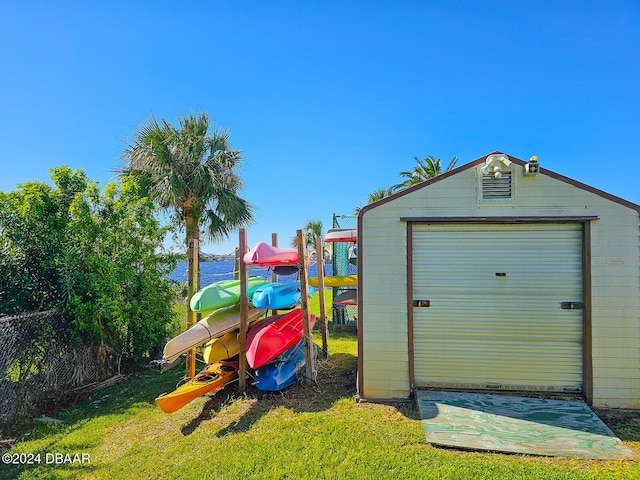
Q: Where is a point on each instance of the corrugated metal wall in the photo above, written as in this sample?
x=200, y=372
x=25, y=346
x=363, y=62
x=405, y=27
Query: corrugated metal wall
x=495, y=318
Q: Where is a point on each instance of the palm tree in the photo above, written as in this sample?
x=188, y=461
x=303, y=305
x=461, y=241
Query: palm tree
x=312, y=231
x=190, y=172
x=426, y=169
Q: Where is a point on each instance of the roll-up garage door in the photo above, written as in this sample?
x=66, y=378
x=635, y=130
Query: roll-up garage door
x=498, y=306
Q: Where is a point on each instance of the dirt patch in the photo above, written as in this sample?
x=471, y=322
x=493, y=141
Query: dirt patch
x=624, y=423
x=7, y=443
x=336, y=379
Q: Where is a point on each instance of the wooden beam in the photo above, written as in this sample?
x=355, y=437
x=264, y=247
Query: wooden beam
x=310, y=364
x=244, y=313
x=323, y=312
x=192, y=288
x=274, y=277
x=236, y=265
x=274, y=243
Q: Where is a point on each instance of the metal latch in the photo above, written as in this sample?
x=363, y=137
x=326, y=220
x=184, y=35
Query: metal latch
x=572, y=305
x=422, y=303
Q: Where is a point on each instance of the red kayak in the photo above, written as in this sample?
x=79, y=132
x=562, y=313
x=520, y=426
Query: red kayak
x=271, y=337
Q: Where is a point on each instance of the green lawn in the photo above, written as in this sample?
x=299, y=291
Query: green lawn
x=305, y=432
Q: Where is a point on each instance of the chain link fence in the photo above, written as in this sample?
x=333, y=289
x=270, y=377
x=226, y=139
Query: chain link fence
x=42, y=368
x=344, y=261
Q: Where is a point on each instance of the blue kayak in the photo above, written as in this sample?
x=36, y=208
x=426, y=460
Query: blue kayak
x=284, y=370
x=278, y=296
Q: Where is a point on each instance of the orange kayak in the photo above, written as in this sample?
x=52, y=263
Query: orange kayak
x=215, y=376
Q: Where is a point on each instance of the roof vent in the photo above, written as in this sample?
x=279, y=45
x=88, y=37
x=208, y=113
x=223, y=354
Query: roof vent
x=496, y=178
x=497, y=187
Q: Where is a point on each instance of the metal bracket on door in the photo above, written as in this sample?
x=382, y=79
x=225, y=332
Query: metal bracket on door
x=422, y=303
x=572, y=305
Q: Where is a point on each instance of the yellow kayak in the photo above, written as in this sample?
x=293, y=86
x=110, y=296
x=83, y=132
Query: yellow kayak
x=213, y=377
x=344, y=281
x=221, y=348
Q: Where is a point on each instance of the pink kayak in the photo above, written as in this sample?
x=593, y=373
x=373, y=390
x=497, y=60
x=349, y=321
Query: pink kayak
x=265, y=255
x=271, y=337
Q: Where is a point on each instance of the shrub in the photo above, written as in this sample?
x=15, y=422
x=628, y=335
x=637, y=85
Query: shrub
x=97, y=256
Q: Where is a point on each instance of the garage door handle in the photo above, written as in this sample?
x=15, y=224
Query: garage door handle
x=422, y=303
x=572, y=305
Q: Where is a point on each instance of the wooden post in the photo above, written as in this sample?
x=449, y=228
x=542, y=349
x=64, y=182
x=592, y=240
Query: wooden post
x=244, y=313
x=192, y=287
x=274, y=243
x=236, y=265
x=323, y=312
x=274, y=277
x=310, y=364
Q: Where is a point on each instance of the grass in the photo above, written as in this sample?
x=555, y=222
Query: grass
x=304, y=432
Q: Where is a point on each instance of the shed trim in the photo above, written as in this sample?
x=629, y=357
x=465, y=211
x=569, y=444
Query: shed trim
x=517, y=161
x=587, y=388
x=500, y=219
x=587, y=344
x=412, y=377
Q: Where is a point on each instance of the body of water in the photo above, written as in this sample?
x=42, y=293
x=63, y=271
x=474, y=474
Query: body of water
x=223, y=270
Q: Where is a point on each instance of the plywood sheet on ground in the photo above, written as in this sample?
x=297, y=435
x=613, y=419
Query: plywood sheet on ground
x=512, y=424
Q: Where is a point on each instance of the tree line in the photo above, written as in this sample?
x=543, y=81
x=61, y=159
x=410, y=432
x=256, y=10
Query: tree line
x=98, y=255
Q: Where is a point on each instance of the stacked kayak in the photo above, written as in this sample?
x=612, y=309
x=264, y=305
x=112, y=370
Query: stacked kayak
x=264, y=255
x=284, y=370
x=223, y=294
x=350, y=297
x=271, y=337
x=221, y=348
x=341, y=235
x=212, y=326
x=213, y=377
x=337, y=281
x=278, y=296
x=275, y=345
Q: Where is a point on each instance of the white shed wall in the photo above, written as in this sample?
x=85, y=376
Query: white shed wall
x=615, y=274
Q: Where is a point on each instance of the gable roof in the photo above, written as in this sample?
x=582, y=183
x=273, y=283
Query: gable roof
x=515, y=160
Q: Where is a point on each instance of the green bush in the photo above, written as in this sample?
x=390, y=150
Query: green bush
x=96, y=255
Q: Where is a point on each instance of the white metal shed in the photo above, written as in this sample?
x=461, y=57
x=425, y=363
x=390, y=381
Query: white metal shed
x=500, y=275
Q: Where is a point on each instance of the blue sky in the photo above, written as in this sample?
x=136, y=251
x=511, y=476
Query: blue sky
x=328, y=100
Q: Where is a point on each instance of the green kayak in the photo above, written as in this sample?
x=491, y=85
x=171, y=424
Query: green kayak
x=223, y=294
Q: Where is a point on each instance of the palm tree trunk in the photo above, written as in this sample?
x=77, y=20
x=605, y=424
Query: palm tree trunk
x=193, y=283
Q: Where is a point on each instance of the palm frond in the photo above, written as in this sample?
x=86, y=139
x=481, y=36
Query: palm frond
x=187, y=169
x=425, y=169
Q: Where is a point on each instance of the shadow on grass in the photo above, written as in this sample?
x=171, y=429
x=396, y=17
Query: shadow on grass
x=336, y=380
x=210, y=409
x=139, y=388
